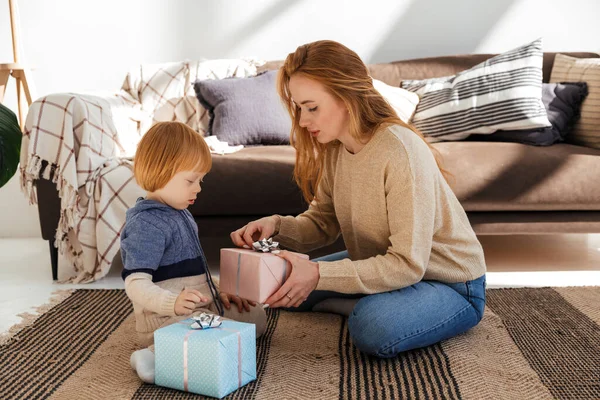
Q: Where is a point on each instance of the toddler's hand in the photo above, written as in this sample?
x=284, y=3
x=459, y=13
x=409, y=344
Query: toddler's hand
x=242, y=304
x=187, y=300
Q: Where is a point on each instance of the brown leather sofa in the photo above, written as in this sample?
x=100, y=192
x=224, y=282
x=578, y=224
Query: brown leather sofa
x=506, y=188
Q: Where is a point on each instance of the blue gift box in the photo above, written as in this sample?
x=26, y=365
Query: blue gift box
x=212, y=362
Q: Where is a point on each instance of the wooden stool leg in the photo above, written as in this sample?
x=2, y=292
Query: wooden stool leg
x=28, y=86
x=4, y=74
x=24, y=75
x=19, y=105
x=23, y=87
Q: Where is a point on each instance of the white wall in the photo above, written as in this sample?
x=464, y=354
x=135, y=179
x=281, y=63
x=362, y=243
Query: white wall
x=77, y=45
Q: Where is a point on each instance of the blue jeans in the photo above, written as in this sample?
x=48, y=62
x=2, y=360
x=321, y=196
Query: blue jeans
x=385, y=324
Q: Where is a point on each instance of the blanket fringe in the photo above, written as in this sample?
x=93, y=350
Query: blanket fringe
x=69, y=198
x=28, y=175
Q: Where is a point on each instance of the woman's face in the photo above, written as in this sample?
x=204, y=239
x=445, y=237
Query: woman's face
x=322, y=114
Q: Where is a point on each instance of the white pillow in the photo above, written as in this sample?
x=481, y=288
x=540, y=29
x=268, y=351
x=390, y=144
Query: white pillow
x=401, y=100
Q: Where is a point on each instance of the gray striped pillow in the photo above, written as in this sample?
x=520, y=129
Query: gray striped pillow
x=502, y=93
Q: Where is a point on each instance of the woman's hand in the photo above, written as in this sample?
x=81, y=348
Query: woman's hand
x=262, y=228
x=242, y=304
x=186, y=302
x=302, y=281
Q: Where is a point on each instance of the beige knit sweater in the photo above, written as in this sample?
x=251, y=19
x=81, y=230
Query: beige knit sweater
x=399, y=219
x=154, y=303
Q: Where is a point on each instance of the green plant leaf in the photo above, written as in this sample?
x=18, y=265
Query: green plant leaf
x=10, y=144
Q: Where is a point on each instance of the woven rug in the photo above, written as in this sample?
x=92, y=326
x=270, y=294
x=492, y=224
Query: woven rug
x=532, y=344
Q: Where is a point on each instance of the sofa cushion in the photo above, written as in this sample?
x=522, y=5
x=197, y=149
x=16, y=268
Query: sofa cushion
x=586, y=131
x=254, y=181
x=504, y=92
x=401, y=100
x=562, y=102
x=245, y=111
x=516, y=177
x=487, y=176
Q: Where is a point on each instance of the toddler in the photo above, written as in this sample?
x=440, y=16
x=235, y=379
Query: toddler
x=165, y=271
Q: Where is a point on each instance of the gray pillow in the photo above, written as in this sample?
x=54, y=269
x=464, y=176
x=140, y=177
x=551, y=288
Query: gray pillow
x=245, y=111
x=562, y=102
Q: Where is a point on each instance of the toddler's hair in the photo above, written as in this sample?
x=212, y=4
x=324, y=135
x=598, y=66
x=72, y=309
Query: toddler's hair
x=166, y=149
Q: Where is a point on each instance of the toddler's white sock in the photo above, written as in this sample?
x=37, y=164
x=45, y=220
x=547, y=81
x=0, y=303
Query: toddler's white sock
x=142, y=362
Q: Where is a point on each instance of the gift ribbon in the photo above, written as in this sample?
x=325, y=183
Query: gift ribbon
x=266, y=246
x=239, y=337
x=284, y=271
x=237, y=281
x=186, y=362
x=206, y=321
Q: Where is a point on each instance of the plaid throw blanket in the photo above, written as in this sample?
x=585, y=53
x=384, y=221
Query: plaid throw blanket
x=85, y=143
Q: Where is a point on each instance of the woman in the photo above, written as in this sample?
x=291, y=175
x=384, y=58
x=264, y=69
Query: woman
x=414, y=271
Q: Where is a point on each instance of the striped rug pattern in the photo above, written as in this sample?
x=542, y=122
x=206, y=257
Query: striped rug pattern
x=531, y=344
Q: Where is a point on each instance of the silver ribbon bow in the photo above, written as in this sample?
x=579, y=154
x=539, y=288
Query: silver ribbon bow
x=266, y=246
x=206, y=321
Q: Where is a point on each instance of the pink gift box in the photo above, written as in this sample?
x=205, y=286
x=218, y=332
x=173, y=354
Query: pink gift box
x=253, y=275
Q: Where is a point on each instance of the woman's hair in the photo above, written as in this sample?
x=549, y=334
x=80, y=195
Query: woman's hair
x=166, y=149
x=342, y=72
